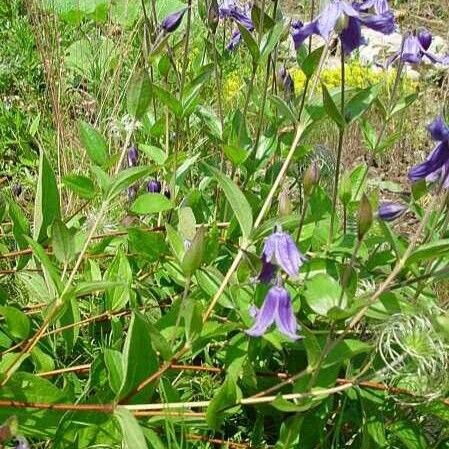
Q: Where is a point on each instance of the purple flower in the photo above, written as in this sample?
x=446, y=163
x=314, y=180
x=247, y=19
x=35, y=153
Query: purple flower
x=154, y=186
x=234, y=41
x=378, y=6
x=287, y=82
x=436, y=166
x=173, y=20
x=133, y=157
x=414, y=49
x=280, y=249
x=229, y=9
x=267, y=272
x=347, y=20
x=389, y=211
x=277, y=308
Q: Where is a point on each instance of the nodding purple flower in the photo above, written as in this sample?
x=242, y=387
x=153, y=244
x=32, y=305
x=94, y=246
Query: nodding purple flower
x=436, y=166
x=276, y=308
x=267, y=272
x=132, y=193
x=21, y=443
x=235, y=40
x=281, y=250
x=287, y=82
x=229, y=9
x=133, y=157
x=345, y=19
x=173, y=20
x=154, y=186
x=390, y=211
x=415, y=48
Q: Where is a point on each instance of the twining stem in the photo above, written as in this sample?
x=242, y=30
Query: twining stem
x=341, y=134
x=60, y=301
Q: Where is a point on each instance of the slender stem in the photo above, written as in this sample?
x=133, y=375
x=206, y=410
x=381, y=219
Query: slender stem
x=302, y=218
x=247, y=99
x=341, y=134
x=186, y=48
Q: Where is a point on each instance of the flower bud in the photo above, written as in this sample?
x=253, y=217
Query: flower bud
x=133, y=157
x=172, y=21
x=213, y=16
x=389, y=211
x=365, y=216
x=193, y=255
x=285, y=205
x=16, y=189
x=132, y=193
x=154, y=186
x=167, y=193
x=311, y=178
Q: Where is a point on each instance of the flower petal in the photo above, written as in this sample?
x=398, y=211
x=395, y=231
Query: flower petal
x=438, y=129
x=390, y=211
x=285, y=318
x=267, y=272
x=437, y=158
x=266, y=315
x=327, y=20
x=351, y=36
x=383, y=23
x=301, y=33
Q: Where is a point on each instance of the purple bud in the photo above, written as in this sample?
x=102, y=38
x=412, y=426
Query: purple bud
x=21, y=443
x=133, y=156
x=389, y=211
x=154, y=186
x=16, y=189
x=172, y=21
x=425, y=39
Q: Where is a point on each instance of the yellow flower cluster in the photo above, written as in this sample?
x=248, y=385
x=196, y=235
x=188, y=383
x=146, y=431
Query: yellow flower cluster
x=356, y=75
x=232, y=86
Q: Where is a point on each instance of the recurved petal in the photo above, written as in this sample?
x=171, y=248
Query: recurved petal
x=327, y=20
x=301, y=33
x=390, y=211
x=351, y=36
x=287, y=254
x=383, y=23
x=285, y=318
x=437, y=158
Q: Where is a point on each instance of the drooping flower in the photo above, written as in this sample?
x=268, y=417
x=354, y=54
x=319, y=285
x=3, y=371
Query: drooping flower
x=436, y=166
x=133, y=156
x=390, y=211
x=154, y=186
x=276, y=308
x=281, y=250
x=173, y=20
x=346, y=20
x=286, y=81
x=230, y=9
x=414, y=50
x=267, y=272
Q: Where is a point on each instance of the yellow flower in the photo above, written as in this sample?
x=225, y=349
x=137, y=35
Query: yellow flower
x=231, y=86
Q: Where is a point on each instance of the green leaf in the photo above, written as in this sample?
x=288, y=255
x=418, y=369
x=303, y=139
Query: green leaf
x=237, y=201
x=20, y=230
x=46, y=205
x=149, y=244
x=119, y=272
x=186, y=223
x=126, y=178
x=403, y=103
x=151, y=203
x=257, y=16
x=323, y=294
x=311, y=62
x=156, y=154
x=331, y=108
x=138, y=345
x=283, y=108
x=269, y=43
x=251, y=44
x=62, y=241
x=224, y=398
x=429, y=251
x=360, y=103
x=114, y=366
x=81, y=185
x=133, y=437
x=94, y=143
x=169, y=100
x=290, y=432
x=410, y=435
x=345, y=350
x=70, y=316
x=236, y=154
x=139, y=94
x=17, y=322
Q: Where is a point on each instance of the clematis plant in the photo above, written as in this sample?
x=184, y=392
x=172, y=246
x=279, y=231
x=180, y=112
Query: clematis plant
x=277, y=308
x=133, y=156
x=154, y=186
x=172, y=21
x=415, y=48
x=346, y=20
x=436, y=165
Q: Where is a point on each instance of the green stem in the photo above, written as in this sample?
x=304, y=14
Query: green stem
x=248, y=97
x=341, y=134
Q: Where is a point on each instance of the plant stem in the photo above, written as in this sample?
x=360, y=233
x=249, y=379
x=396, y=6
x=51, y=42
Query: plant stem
x=247, y=99
x=341, y=134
